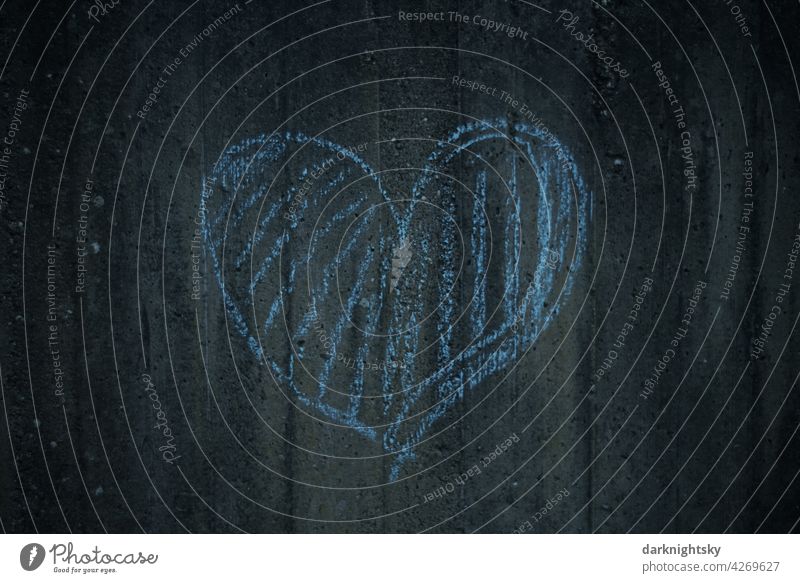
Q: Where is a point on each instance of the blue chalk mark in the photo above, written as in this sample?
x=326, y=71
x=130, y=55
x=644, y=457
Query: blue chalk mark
x=242, y=199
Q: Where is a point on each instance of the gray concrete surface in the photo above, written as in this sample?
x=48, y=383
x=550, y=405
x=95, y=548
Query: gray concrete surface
x=713, y=446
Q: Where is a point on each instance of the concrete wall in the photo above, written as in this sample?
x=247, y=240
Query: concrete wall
x=531, y=394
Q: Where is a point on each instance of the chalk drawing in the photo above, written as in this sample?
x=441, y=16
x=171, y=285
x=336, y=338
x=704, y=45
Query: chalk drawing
x=398, y=279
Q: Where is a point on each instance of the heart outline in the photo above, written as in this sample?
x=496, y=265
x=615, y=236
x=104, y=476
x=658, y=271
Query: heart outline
x=231, y=169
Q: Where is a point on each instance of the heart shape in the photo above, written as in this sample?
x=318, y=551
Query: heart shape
x=432, y=299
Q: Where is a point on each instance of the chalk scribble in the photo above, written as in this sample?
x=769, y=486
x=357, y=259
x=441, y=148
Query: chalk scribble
x=468, y=301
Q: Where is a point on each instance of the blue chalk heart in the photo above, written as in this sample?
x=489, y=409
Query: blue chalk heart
x=421, y=295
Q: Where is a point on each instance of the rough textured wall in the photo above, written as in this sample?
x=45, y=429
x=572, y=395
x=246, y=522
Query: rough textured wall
x=376, y=267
